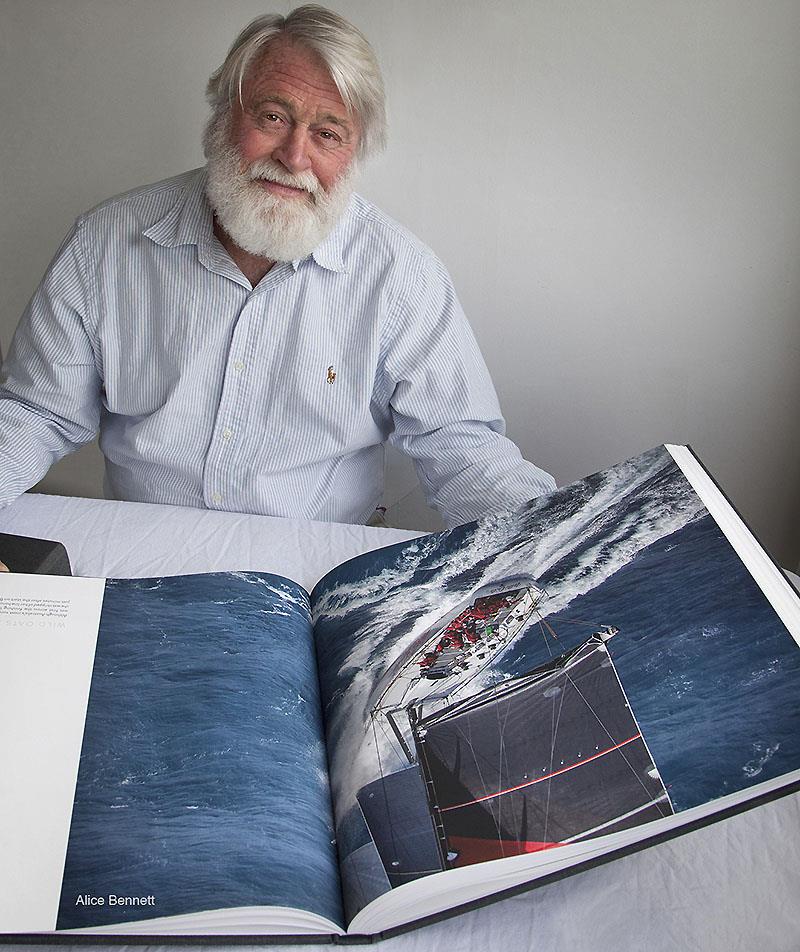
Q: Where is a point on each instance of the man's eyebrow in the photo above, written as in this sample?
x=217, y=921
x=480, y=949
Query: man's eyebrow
x=276, y=100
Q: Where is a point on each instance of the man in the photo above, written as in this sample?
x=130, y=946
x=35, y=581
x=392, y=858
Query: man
x=247, y=336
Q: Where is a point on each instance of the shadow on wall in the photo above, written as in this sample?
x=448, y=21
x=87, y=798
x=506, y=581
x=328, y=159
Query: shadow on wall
x=79, y=474
x=403, y=497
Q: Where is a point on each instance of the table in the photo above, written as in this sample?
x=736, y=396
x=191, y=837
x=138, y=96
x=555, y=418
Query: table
x=734, y=885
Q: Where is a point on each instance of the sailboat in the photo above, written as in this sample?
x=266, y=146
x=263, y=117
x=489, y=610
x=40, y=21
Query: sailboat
x=449, y=655
x=530, y=763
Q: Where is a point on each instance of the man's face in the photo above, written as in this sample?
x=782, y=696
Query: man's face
x=293, y=114
x=280, y=164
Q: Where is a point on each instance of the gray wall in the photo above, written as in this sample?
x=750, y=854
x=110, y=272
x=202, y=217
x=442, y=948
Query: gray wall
x=614, y=186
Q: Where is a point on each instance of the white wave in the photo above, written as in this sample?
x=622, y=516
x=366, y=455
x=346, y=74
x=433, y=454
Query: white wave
x=763, y=755
x=711, y=631
x=765, y=672
x=281, y=598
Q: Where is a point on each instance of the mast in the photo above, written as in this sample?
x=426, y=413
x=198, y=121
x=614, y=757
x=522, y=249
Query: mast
x=399, y=735
x=430, y=790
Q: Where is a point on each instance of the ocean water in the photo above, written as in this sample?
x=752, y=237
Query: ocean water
x=711, y=673
x=202, y=778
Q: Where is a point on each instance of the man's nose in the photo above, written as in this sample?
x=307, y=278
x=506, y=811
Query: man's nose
x=293, y=150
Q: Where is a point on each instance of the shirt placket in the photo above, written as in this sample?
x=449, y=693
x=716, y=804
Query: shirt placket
x=248, y=366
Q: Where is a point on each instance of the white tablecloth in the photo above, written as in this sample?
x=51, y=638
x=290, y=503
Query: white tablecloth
x=734, y=885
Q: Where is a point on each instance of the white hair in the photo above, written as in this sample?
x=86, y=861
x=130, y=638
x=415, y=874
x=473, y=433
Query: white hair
x=344, y=50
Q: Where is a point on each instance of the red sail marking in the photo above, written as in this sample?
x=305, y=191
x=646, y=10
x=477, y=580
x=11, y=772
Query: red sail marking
x=555, y=773
x=474, y=850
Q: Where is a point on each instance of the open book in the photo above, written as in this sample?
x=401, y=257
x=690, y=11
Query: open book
x=438, y=722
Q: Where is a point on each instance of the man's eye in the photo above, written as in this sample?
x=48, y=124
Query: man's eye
x=268, y=119
x=329, y=139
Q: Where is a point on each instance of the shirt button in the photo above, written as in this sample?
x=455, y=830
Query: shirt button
x=227, y=433
x=216, y=498
x=238, y=366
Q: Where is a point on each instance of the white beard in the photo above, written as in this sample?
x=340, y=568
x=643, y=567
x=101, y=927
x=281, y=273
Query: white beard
x=263, y=224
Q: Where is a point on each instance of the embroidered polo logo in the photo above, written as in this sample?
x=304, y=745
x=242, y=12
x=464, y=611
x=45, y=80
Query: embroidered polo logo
x=331, y=374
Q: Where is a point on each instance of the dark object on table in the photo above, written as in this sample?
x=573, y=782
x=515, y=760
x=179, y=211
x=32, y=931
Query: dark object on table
x=34, y=556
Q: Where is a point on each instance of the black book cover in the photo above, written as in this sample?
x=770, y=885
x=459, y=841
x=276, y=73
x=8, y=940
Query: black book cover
x=34, y=556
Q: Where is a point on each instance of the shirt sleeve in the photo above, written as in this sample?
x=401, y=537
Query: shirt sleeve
x=444, y=408
x=50, y=392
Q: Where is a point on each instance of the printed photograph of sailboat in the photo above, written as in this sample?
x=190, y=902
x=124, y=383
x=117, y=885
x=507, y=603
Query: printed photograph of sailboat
x=547, y=677
x=536, y=761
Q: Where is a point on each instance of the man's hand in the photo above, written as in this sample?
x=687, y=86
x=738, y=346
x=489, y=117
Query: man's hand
x=4, y=567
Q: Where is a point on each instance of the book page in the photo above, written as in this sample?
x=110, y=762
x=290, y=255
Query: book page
x=48, y=630
x=203, y=778
x=594, y=665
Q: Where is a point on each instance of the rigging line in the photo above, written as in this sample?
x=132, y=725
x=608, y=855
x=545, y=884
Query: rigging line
x=496, y=806
x=383, y=786
x=471, y=747
x=480, y=774
x=644, y=742
x=553, y=735
x=503, y=730
x=502, y=760
x=503, y=741
x=499, y=802
x=393, y=742
x=544, y=637
x=550, y=628
x=607, y=733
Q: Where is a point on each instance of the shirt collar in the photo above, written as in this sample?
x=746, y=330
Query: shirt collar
x=328, y=254
x=190, y=221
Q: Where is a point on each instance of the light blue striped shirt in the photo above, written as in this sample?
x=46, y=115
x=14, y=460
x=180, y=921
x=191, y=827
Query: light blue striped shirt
x=275, y=399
